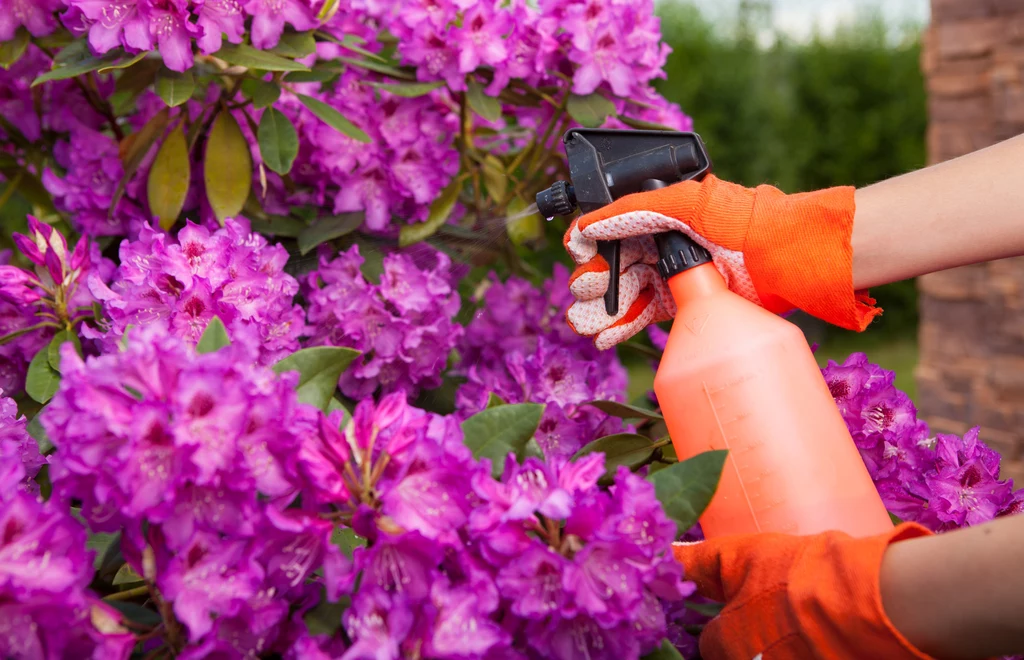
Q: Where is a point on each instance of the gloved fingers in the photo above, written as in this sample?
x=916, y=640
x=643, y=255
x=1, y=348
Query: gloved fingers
x=702, y=565
x=588, y=317
x=645, y=310
x=590, y=280
x=684, y=198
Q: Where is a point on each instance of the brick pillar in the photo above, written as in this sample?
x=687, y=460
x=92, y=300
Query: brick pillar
x=971, y=369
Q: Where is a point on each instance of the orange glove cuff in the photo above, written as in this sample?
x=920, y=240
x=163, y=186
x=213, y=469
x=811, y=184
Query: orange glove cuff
x=798, y=597
x=796, y=248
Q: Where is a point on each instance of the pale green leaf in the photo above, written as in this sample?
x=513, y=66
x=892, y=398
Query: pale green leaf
x=521, y=226
x=493, y=400
x=409, y=89
x=590, y=110
x=347, y=540
x=487, y=107
x=439, y=213
x=247, y=56
x=214, y=338
x=333, y=118
x=295, y=44
x=279, y=143
x=169, y=179
x=173, y=87
x=319, y=369
x=126, y=575
x=12, y=49
x=227, y=167
x=493, y=433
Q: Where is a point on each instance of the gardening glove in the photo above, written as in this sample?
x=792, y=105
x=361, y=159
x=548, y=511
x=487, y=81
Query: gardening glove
x=780, y=251
x=794, y=597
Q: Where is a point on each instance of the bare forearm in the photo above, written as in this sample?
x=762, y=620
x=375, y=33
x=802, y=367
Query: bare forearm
x=967, y=210
x=959, y=595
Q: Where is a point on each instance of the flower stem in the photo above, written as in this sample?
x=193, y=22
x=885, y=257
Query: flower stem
x=17, y=333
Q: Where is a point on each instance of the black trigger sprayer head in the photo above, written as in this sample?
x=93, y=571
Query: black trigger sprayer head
x=606, y=164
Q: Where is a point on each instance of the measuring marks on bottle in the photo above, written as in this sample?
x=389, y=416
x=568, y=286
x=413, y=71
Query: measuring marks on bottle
x=744, y=444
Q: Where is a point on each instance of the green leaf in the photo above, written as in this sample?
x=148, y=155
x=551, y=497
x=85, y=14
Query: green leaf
x=100, y=542
x=76, y=59
x=169, y=178
x=38, y=433
x=495, y=179
x=279, y=143
x=494, y=432
x=378, y=67
x=263, y=93
x=409, y=89
x=328, y=229
x=896, y=522
x=327, y=11
x=664, y=652
x=317, y=74
x=319, y=369
x=325, y=618
x=53, y=351
x=12, y=49
x=134, y=149
x=706, y=609
x=109, y=558
x=214, y=338
x=493, y=400
x=333, y=118
x=642, y=125
x=173, y=87
x=135, y=613
x=295, y=44
x=685, y=489
x=278, y=225
x=590, y=110
x=487, y=107
x=347, y=540
x=627, y=449
x=624, y=410
x=247, y=56
x=126, y=575
x=520, y=226
x=439, y=213
x=227, y=167
x=42, y=380
x=333, y=405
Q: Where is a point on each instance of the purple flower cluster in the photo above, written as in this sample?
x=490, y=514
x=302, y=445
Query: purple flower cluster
x=519, y=347
x=20, y=459
x=943, y=482
x=403, y=326
x=410, y=158
x=52, y=296
x=457, y=564
x=180, y=285
x=194, y=459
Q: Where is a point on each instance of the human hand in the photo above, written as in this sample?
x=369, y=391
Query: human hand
x=789, y=597
x=779, y=251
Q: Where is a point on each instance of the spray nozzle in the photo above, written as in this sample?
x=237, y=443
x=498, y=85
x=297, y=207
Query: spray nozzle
x=606, y=164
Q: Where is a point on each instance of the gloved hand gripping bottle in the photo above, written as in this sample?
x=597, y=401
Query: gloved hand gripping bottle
x=733, y=375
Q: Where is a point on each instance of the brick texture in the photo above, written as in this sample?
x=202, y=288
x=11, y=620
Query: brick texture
x=971, y=370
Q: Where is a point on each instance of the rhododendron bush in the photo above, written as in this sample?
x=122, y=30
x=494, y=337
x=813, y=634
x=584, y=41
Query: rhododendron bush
x=284, y=362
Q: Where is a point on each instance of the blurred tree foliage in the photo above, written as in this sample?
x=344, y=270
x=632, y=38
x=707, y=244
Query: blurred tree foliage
x=847, y=109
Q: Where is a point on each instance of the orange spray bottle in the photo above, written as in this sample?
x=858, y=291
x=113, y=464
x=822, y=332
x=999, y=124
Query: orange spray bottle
x=733, y=375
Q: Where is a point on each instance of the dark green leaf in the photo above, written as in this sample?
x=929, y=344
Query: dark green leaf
x=109, y=559
x=493, y=400
x=317, y=74
x=333, y=118
x=76, y=59
x=38, y=433
x=99, y=542
x=439, y=213
x=214, y=338
x=333, y=405
x=590, y=110
x=295, y=44
x=494, y=432
x=248, y=56
x=685, y=489
x=29, y=186
x=42, y=478
x=664, y=652
x=263, y=93
x=278, y=225
x=279, y=143
x=136, y=613
x=325, y=618
x=627, y=449
x=173, y=87
x=53, y=351
x=328, y=229
x=409, y=89
x=624, y=410
x=707, y=609
x=351, y=42
x=319, y=369
x=896, y=522
x=137, y=77
x=379, y=68
x=487, y=107
x=12, y=50
x=347, y=540
x=42, y=381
